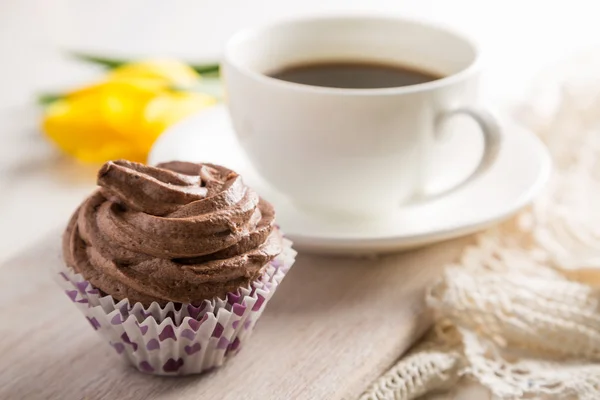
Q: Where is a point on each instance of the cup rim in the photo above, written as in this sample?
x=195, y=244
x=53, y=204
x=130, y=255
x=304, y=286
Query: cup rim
x=241, y=35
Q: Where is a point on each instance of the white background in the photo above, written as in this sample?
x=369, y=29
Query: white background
x=516, y=34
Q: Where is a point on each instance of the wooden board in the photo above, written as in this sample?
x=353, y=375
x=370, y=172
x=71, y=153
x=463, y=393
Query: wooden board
x=333, y=326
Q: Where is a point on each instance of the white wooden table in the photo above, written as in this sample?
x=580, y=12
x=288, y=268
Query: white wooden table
x=40, y=188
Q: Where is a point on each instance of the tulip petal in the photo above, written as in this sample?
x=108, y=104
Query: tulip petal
x=171, y=72
x=171, y=107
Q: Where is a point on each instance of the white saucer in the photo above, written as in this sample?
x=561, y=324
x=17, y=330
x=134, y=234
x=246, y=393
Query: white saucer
x=518, y=175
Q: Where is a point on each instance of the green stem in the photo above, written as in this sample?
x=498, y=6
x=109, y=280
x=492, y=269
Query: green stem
x=203, y=69
x=45, y=99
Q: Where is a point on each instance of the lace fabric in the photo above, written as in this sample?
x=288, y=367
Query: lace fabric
x=520, y=312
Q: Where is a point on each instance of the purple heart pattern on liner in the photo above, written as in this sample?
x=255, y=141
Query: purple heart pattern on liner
x=145, y=366
x=94, y=322
x=169, y=340
x=218, y=331
x=167, y=333
x=173, y=365
x=192, y=349
x=153, y=345
x=188, y=334
x=143, y=329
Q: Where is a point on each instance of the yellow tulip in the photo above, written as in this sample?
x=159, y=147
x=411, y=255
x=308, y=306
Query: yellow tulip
x=122, y=116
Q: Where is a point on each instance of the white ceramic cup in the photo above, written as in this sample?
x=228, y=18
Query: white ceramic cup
x=360, y=151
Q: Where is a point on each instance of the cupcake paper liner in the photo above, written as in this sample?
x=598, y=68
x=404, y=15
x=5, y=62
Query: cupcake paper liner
x=180, y=340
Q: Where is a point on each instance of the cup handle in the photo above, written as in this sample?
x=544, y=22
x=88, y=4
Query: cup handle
x=492, y=141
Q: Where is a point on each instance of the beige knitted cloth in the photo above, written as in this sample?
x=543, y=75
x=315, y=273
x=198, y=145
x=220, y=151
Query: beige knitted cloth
x=520, y=312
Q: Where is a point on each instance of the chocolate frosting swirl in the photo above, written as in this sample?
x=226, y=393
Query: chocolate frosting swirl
x=179, y=232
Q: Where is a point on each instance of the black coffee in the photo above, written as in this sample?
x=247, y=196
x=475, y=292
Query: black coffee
x=353, y=75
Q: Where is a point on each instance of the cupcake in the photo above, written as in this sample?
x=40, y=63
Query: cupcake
x=173, y=264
